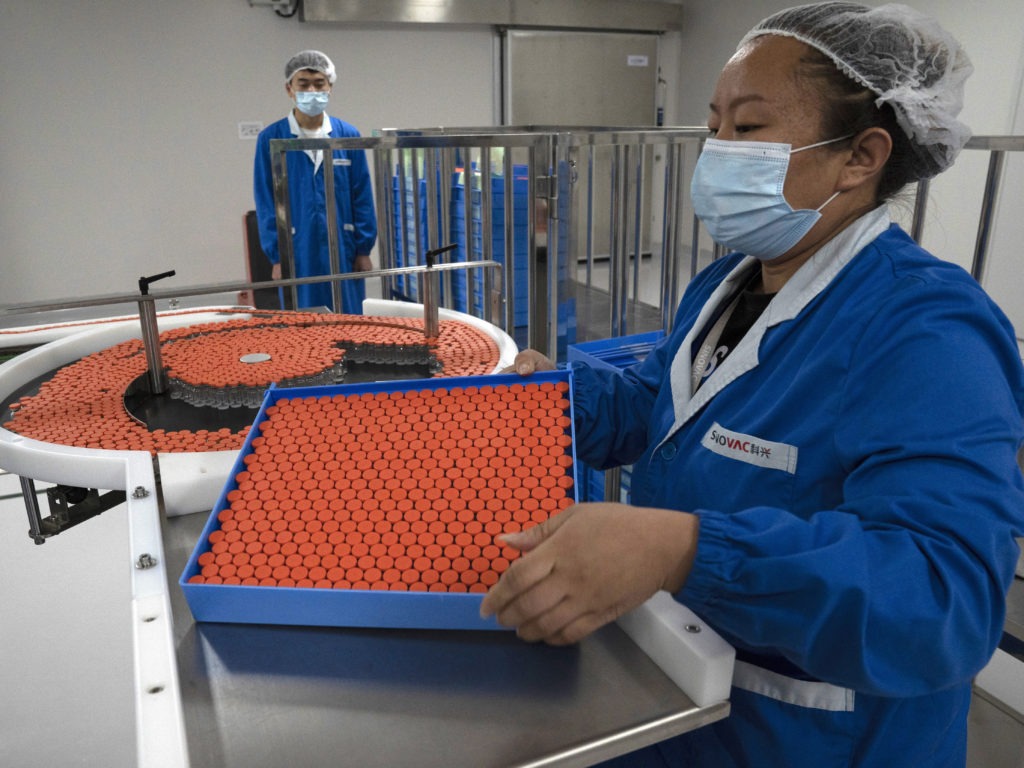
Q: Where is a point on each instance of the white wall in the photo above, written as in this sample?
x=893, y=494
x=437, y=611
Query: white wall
x=120, y=154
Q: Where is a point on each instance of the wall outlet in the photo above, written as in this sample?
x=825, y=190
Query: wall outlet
x=249, y=130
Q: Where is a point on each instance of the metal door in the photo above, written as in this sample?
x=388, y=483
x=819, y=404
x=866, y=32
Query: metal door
x=584, y=79
x=579, y=78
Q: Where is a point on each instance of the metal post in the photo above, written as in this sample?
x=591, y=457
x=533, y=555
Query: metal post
x=386, y=209
x=283, y=210
x=331, y=211
x=151, y=343
x=35, y=521
x=638, y=220
x=619, y=240
x=430, y=290
x=412, y=256
x=555, y=169
x=589, y=222
x=444, y=192
x=151, y=335
x=486, y=282
x=920, y=208
x=669, y=233
x=403, y=215
x=510, y=257
x=988, y=212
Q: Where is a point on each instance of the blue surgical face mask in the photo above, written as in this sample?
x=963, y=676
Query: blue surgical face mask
x=312, y=103
x=737, y=195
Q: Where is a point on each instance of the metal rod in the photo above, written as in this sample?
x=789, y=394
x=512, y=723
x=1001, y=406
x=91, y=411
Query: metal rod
x=612, y=484
x=638, y=221
x=536, y=336
x=445, y=221
x=283, y=210
x=413, y=254
x=619, y=239
x=510, y=260
x=202, y=290
x=669, y=229
x=383, y=191
x=333, y=241
x=487, y=291
x=35, y=520
x=554, y=170
x=590, y=214
x=151, y=344
x=988, y=211
x=403, y=198
x=920, y=208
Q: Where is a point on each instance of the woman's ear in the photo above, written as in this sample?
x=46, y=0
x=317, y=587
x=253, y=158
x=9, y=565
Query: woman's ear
x=869, y=152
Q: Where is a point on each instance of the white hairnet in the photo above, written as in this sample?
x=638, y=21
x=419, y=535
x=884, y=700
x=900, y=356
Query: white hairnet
x=903, y=56
x=314, y=60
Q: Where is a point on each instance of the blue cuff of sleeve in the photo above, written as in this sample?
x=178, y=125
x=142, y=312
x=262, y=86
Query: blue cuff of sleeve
x=714, y=566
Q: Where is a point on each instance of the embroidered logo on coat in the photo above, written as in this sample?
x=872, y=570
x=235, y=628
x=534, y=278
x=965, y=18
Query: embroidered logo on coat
x=751, y=449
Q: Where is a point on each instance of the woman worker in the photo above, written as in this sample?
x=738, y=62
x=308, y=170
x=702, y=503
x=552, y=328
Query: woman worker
x=825, y=446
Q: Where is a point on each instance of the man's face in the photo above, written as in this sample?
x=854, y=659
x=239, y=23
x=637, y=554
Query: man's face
x=308, y=80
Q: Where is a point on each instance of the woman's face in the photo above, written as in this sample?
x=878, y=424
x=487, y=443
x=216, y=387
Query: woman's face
x=758, y=97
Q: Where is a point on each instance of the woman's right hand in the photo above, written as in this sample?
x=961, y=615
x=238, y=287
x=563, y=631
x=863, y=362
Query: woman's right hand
x=529, y=361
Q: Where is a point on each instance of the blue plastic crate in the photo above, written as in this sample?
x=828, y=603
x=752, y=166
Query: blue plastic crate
x=348, y=607
x=611, y=354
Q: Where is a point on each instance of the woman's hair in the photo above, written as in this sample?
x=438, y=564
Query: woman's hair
x=888, y=66
x=849, y=108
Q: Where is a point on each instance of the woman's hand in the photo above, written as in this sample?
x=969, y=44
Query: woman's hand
x=528, y=361
x=589, y=565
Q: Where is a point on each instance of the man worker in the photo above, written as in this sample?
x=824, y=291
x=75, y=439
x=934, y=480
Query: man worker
x=309, y=77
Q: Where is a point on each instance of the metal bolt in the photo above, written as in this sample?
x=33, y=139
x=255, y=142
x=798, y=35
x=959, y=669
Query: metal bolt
x=145, y=561
x=139, y=492
x=693, y=628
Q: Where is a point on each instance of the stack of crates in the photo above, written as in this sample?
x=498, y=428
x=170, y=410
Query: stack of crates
x=467, y=293
x=611, y=354
x=520, y=234
x=407, y=287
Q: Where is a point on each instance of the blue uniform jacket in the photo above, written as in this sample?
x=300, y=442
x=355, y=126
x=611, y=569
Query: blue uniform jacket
x=357, y=222
x=853, y=464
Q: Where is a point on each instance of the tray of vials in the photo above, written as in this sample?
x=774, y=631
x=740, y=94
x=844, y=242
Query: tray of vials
x=380, y=505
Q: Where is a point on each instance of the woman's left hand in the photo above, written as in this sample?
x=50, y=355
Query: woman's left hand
x=589, y=565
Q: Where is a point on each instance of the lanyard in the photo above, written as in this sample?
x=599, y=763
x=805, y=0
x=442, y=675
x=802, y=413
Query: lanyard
x=710, y=342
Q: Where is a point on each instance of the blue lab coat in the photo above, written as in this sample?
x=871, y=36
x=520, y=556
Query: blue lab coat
x=853, y=464
x=357, y=222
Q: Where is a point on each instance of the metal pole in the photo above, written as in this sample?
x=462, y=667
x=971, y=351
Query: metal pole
x=638, y=221
x=35, y=521
x=669, y=230
x=589, y=223
x=331, y=211
x=151, y=343
x=283, y=210
x=988, y=211
x=151, y=335
x=445, y=220
x=920, y=208
x=555, y=169
x=413, y=254
x=619, y=239
x=386, y=207
x=487, y=291
x=403, y=205
x=510, y=273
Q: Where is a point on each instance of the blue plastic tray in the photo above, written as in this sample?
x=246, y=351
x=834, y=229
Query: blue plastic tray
x=344, y=607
